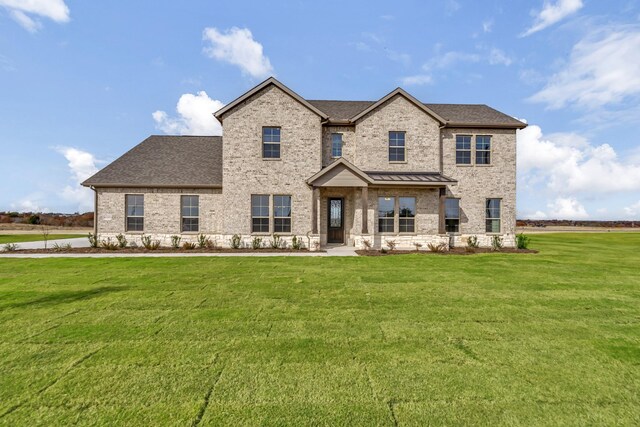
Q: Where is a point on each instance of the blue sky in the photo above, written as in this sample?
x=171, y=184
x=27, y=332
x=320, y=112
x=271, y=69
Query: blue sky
x=82, y=82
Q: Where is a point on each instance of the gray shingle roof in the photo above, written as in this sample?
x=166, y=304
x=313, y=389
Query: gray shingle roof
x=166, y=161
x=455, y=114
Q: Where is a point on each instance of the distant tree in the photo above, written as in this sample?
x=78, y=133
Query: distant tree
x=34, y=219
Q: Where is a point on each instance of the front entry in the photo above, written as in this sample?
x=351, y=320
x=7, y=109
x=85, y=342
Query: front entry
x=336, y=221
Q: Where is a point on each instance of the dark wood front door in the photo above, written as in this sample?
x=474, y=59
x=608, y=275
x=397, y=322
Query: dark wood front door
x=336, y=220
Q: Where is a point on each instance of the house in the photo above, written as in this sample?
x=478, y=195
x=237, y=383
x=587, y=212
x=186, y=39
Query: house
x=332, y=172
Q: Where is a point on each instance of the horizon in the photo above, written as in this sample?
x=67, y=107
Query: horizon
x=82, y=84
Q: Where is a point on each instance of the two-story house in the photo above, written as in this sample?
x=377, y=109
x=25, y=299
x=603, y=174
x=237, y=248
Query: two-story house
x=332, y=172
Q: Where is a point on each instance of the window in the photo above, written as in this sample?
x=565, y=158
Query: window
x=483, y=150
x=463, y=149
x=452, y=215
x=493, y=215
x=407, y=214
x=135, y=212
x=386, y=214
x=396, y=147
x=259, y=213
x=270, y=143
x=336, y=145
x=190, y=211
x=282, y=214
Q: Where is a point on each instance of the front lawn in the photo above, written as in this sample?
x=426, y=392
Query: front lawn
x=520, y=339
x=21, y=238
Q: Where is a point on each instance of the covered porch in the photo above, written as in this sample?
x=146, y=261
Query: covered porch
x=357, y=208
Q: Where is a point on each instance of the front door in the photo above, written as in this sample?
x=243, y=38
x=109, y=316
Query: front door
x=336, y=221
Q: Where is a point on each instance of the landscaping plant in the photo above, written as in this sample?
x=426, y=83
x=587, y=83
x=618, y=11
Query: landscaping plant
x=236, y=241
x=175, y=241
x=496, y=243
x=122, y=241
x=522, y=241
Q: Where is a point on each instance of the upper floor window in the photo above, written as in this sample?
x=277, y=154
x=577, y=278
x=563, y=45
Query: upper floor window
x=483, y=150
x=386, y=214
x=336, y=145
x=493, y=215
x=135, y=212
x=396, y=147
x=270, y=143
x=407, y=214
x=463, y=149
x=190, y=212
x=452, y=215
x=259, y=213
x=282, y=214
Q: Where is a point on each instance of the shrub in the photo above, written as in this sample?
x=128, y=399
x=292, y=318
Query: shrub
x=418, y=246
x=10, y=247
x=439, y=247
x=275, y=241
x=472, y=242
x=367, y=244
x=149, y=244
x=122, y=241
x=496, y=243
x=33, y=219
x=256, y=243
x=188, y=245
x=391, y=244
x=235, y=241
x=109, y=244
x=522, y=241
x=210, y=244
x=93, y=240
x=59, y=247
x=204, y=241
x=175, y=241
x=296, y=243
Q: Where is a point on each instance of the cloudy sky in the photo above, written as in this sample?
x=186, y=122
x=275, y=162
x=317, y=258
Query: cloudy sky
x=82, y=82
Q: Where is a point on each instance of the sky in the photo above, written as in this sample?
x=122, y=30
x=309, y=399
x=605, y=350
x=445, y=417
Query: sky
x=83, y=82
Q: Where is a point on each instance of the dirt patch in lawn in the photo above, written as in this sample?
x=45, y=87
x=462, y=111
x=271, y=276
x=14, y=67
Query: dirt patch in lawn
x=452, y=251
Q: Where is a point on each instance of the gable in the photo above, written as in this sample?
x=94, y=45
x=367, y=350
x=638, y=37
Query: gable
x=396, y=93
x=340, y=176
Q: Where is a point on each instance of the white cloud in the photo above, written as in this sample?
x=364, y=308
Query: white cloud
x=536, y=215
x=552, y=13
x=498, y=57
x=633, y=210
x=195, y=116
x=22, y=10
x=237, y=46
x=82, y=165
x=567, y=208
x=604, y=68
x=417, y=80
x=568, y=164
x=487, y=26
x=451, y=58
x=30, y=203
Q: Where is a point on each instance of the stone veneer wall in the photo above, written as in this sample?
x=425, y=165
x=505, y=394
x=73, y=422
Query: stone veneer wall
x=476, y=183
x=348, y=143
x=397, y=114
x=245, y=172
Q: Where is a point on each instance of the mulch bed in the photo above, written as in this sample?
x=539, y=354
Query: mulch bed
x=148, y=251
x=452, y=251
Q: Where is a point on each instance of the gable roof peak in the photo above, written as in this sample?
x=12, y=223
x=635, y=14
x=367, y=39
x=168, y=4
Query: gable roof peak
x=405, y=94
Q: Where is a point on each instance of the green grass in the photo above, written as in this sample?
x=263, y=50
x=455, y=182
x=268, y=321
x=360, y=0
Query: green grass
x=21, y=238
x=545, y=339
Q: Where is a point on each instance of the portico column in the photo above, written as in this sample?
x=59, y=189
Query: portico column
x=314, y=210
x=364, y=195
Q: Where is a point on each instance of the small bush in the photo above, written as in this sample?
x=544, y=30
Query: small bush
x=472, y=242
x=204, y=241
x=60, y=247
x=522, y=241
x=93, y=240
x=210, y=244
x=33, y=219
x=367, y=244
x=10, y=247
x=391, y=244
x=188, y=245
x=296, y=243
x=122, y=241
x=439, y=248
x=175, y=241
x=496, y=243
x=256, y=243
x=276, y=241
x=149, y=244
x=109, y=244
x=235, y=241
x=418, y=246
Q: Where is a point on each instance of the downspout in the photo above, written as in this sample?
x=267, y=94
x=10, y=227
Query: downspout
x=95, y=212
x=440, y=148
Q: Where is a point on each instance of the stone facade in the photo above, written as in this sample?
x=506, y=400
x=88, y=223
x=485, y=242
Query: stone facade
x=305, y=150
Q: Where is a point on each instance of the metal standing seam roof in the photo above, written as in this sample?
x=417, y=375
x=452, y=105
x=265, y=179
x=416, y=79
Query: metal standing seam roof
x=410, y=177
